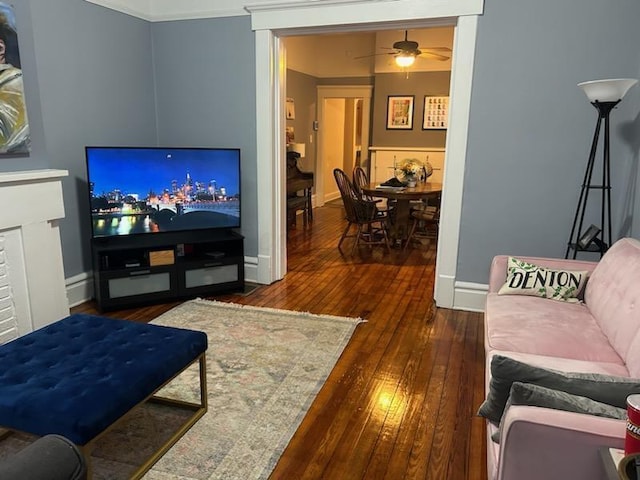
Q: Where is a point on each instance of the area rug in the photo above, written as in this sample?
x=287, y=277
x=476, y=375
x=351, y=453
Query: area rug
x=264, y=369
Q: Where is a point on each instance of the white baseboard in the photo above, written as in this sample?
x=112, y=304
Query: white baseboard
x=331, y=196
x=470, y=296
x=80, y=287
x=467, y=296
x=251, y=269
x=444, y=291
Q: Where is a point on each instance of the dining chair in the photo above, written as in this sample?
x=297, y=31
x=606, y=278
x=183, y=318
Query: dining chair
x=428, y=218
x=370, y=222
x=296, y=203
x=361, y=179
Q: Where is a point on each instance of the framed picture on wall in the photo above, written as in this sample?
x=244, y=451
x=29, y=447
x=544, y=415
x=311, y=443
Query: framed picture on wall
x=290, y=135
x=588, y=236
x=15, y=138
x=436, y=113
x=290, y=109
x=400, y=112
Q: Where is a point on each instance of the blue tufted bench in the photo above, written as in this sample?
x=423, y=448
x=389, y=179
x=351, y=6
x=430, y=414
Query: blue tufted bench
x=78, y=376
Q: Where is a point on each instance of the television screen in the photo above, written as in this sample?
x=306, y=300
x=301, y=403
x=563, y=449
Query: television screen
x=136, y=190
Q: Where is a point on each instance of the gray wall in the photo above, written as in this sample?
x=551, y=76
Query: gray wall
x=417, y=84
x=90, y=78
x=531, y=127
x=88, y=81
x=302, y=88
x=205, y=80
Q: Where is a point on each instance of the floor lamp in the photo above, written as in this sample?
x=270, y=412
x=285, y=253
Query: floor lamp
x=604, y=95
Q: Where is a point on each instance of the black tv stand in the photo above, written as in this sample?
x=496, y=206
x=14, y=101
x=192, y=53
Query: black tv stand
x=136, y=270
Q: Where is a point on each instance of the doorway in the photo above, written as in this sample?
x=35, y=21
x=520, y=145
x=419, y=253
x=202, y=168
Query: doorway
x=343, y=134
x=270, y=94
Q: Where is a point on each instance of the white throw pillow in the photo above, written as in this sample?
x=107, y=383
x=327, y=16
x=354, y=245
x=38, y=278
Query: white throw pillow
x=524, y=278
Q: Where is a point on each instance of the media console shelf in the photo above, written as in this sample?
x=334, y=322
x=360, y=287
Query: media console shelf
x=130, y=271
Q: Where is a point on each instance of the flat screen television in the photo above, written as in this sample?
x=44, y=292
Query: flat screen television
x=151, y=190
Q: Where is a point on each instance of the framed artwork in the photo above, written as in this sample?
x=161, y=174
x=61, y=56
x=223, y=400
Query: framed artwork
x=290, y=135
x=15, y=137
x=588, y=236
x=436, y=113
x=290, y=109
x=400, y=112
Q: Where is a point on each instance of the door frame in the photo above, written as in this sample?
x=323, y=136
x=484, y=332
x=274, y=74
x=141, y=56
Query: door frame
x=325, y=92
x=271, y=23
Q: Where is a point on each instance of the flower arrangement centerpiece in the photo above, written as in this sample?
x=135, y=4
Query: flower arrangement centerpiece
x=411, y=168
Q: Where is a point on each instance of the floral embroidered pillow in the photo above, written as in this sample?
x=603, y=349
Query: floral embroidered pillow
x=524, y=278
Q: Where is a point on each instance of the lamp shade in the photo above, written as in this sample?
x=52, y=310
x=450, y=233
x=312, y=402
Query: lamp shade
x=610, y=90
x=299, y=148
x=405, y=59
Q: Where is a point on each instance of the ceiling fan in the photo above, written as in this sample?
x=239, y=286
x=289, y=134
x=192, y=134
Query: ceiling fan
x=406, y=51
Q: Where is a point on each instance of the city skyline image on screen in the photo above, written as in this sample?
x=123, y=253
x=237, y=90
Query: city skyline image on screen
x=146, y=190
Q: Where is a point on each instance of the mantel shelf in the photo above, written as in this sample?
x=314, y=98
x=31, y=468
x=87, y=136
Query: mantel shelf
x=25, y=176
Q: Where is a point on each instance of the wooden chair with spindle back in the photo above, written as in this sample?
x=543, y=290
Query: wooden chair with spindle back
x=370, y=222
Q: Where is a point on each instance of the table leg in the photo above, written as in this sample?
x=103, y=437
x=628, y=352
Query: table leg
x=399, y=228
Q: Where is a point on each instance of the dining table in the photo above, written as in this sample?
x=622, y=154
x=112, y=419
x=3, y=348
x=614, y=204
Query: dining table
x=400, y=224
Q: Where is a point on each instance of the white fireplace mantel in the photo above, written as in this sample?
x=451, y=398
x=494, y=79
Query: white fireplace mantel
x=32, y=282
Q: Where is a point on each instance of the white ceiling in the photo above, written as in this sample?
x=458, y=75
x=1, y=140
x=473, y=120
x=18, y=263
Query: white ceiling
x=334, y=55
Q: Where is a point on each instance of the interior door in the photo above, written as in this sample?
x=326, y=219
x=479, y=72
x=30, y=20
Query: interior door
x=343, y=134
x=333, y=147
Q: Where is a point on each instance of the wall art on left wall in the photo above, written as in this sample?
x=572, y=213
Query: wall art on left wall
x=15, y=137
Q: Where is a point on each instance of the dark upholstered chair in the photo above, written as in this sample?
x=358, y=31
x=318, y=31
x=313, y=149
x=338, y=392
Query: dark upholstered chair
x=364, y=214
x=51, y=457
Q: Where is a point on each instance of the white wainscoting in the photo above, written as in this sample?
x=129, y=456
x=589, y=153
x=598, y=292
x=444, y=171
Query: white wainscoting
x=384, y=158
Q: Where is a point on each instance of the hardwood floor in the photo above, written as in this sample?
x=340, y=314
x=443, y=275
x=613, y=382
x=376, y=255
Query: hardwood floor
x=401, y=401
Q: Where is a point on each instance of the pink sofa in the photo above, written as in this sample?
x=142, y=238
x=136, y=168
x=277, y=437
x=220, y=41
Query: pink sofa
x=601, y=335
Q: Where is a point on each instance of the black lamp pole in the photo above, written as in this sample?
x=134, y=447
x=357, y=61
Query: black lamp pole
x=604, y=111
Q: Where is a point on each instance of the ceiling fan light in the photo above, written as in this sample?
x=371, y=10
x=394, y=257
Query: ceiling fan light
x=404, y=60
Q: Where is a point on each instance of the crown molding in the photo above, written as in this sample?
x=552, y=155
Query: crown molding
x=266, y=5
x=165, y=10
x=135, y=8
